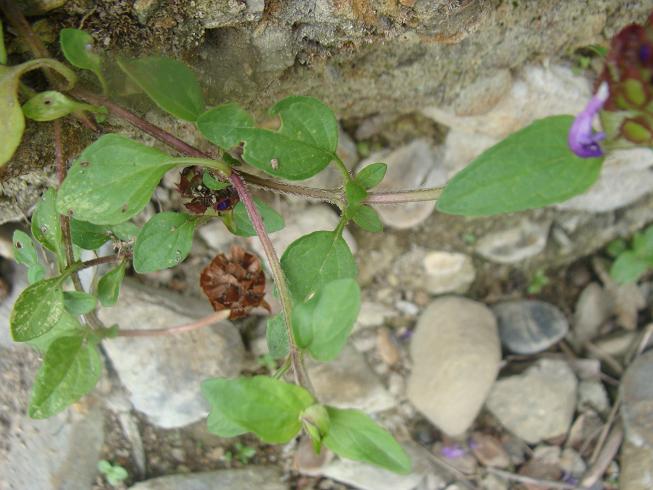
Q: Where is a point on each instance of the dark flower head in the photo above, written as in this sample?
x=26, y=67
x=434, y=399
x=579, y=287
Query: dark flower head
x=199, y=197
x=582, y=138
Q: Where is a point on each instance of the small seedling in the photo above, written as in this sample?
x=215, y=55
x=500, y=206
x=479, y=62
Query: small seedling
x=114, y=473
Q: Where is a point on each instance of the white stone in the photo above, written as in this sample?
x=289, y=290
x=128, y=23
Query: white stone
x=514, y=244
x=249, y=477
x=348, y=382
x=413, y=166
x=373, y=314
x=538, y=404
x=448, y=272
x=456, y=354
x=163, y=374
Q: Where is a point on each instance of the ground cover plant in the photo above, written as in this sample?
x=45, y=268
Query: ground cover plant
x=113, y=179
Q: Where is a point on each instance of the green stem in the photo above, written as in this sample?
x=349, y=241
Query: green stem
x=341, y=225
x=3, y=51
x=283, y=369
x=343, y=169
x=53, y=64
x=221, y=167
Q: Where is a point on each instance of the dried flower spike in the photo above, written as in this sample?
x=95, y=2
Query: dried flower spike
x=236, y=282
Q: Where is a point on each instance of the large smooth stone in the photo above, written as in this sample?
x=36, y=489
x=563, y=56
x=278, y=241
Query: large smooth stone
x=456, y=355
x=637, y=396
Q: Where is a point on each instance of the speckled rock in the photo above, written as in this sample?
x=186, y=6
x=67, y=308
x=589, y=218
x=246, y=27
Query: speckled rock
x=538, y=404
x=249, y=477
x=348, y=382
x=636, y=467
x=163, y=374
x=515, y=244
x=456, y=354
x=529, y=326
x=637, y=401
x=59, y=453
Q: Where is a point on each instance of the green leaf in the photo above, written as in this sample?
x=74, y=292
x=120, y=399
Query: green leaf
x=51, y=105
x=37, y=310
x=277, y=337
x=25, y=253
x=220, y=425
x=78, y=302
x=112, y=180
x=169, y=83
x=242, y=225
x=354, y=435
x=12, y=122
x=163, y=242
x=367, y=218
x=372, y=175
x=77, y=47
x=314, y=260
x=266, y=406
x=531, y=168
x=643, y=244
x=3, y=51
x=88, y=235
x=126, y=231
x=303, y=146
x=323, y=324
x=212, y=183
x=108, y=287
x=354, y=193
x=628, y=267
x=616, y=247
x=66, y=326
x=46, y=225
x=71, y=368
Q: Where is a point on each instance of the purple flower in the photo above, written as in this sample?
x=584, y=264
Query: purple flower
x=453, y=451
x=582, y=139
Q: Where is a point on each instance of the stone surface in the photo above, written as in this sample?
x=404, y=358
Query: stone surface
x=367, y=477
x=348, y=382
x=16, y=276
x=416, y=165
x=636, y=467
x=302, y=221
x=456, y=353
x=592, y=310
x=515, y=244
x=163, y=374
x=538, y=404
x=435, y=271
x=592, y=394
x=59, y=453
x=250, y=477
x=489, y=451
x=373, y=314
x=637, y=400
x=529, y=326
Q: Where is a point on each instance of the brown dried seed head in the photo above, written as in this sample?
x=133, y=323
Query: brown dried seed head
x=236, y=282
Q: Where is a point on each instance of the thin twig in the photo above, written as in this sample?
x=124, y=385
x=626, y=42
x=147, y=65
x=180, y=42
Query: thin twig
x=607, y=454
x=107, y=259
x=216, y=317
x=527, y=479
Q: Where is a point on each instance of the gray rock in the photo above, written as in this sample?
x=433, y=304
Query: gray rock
x=637, y=401
x=367, y=477
x=348, y=382
x=538, y=404
x=59, y=453
x=514, y=244
x=302, y=221
x=529, y=326
x=249, y=477
x=592, y=394
x=416, y=165
x=17, y=277
x=630, y=169
x=456, y=354
x=572, y=463
x=437, y=271
x=220, y=13
x=592, y=310
x=636, y=467
x=373, y=314
x=163, y=374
